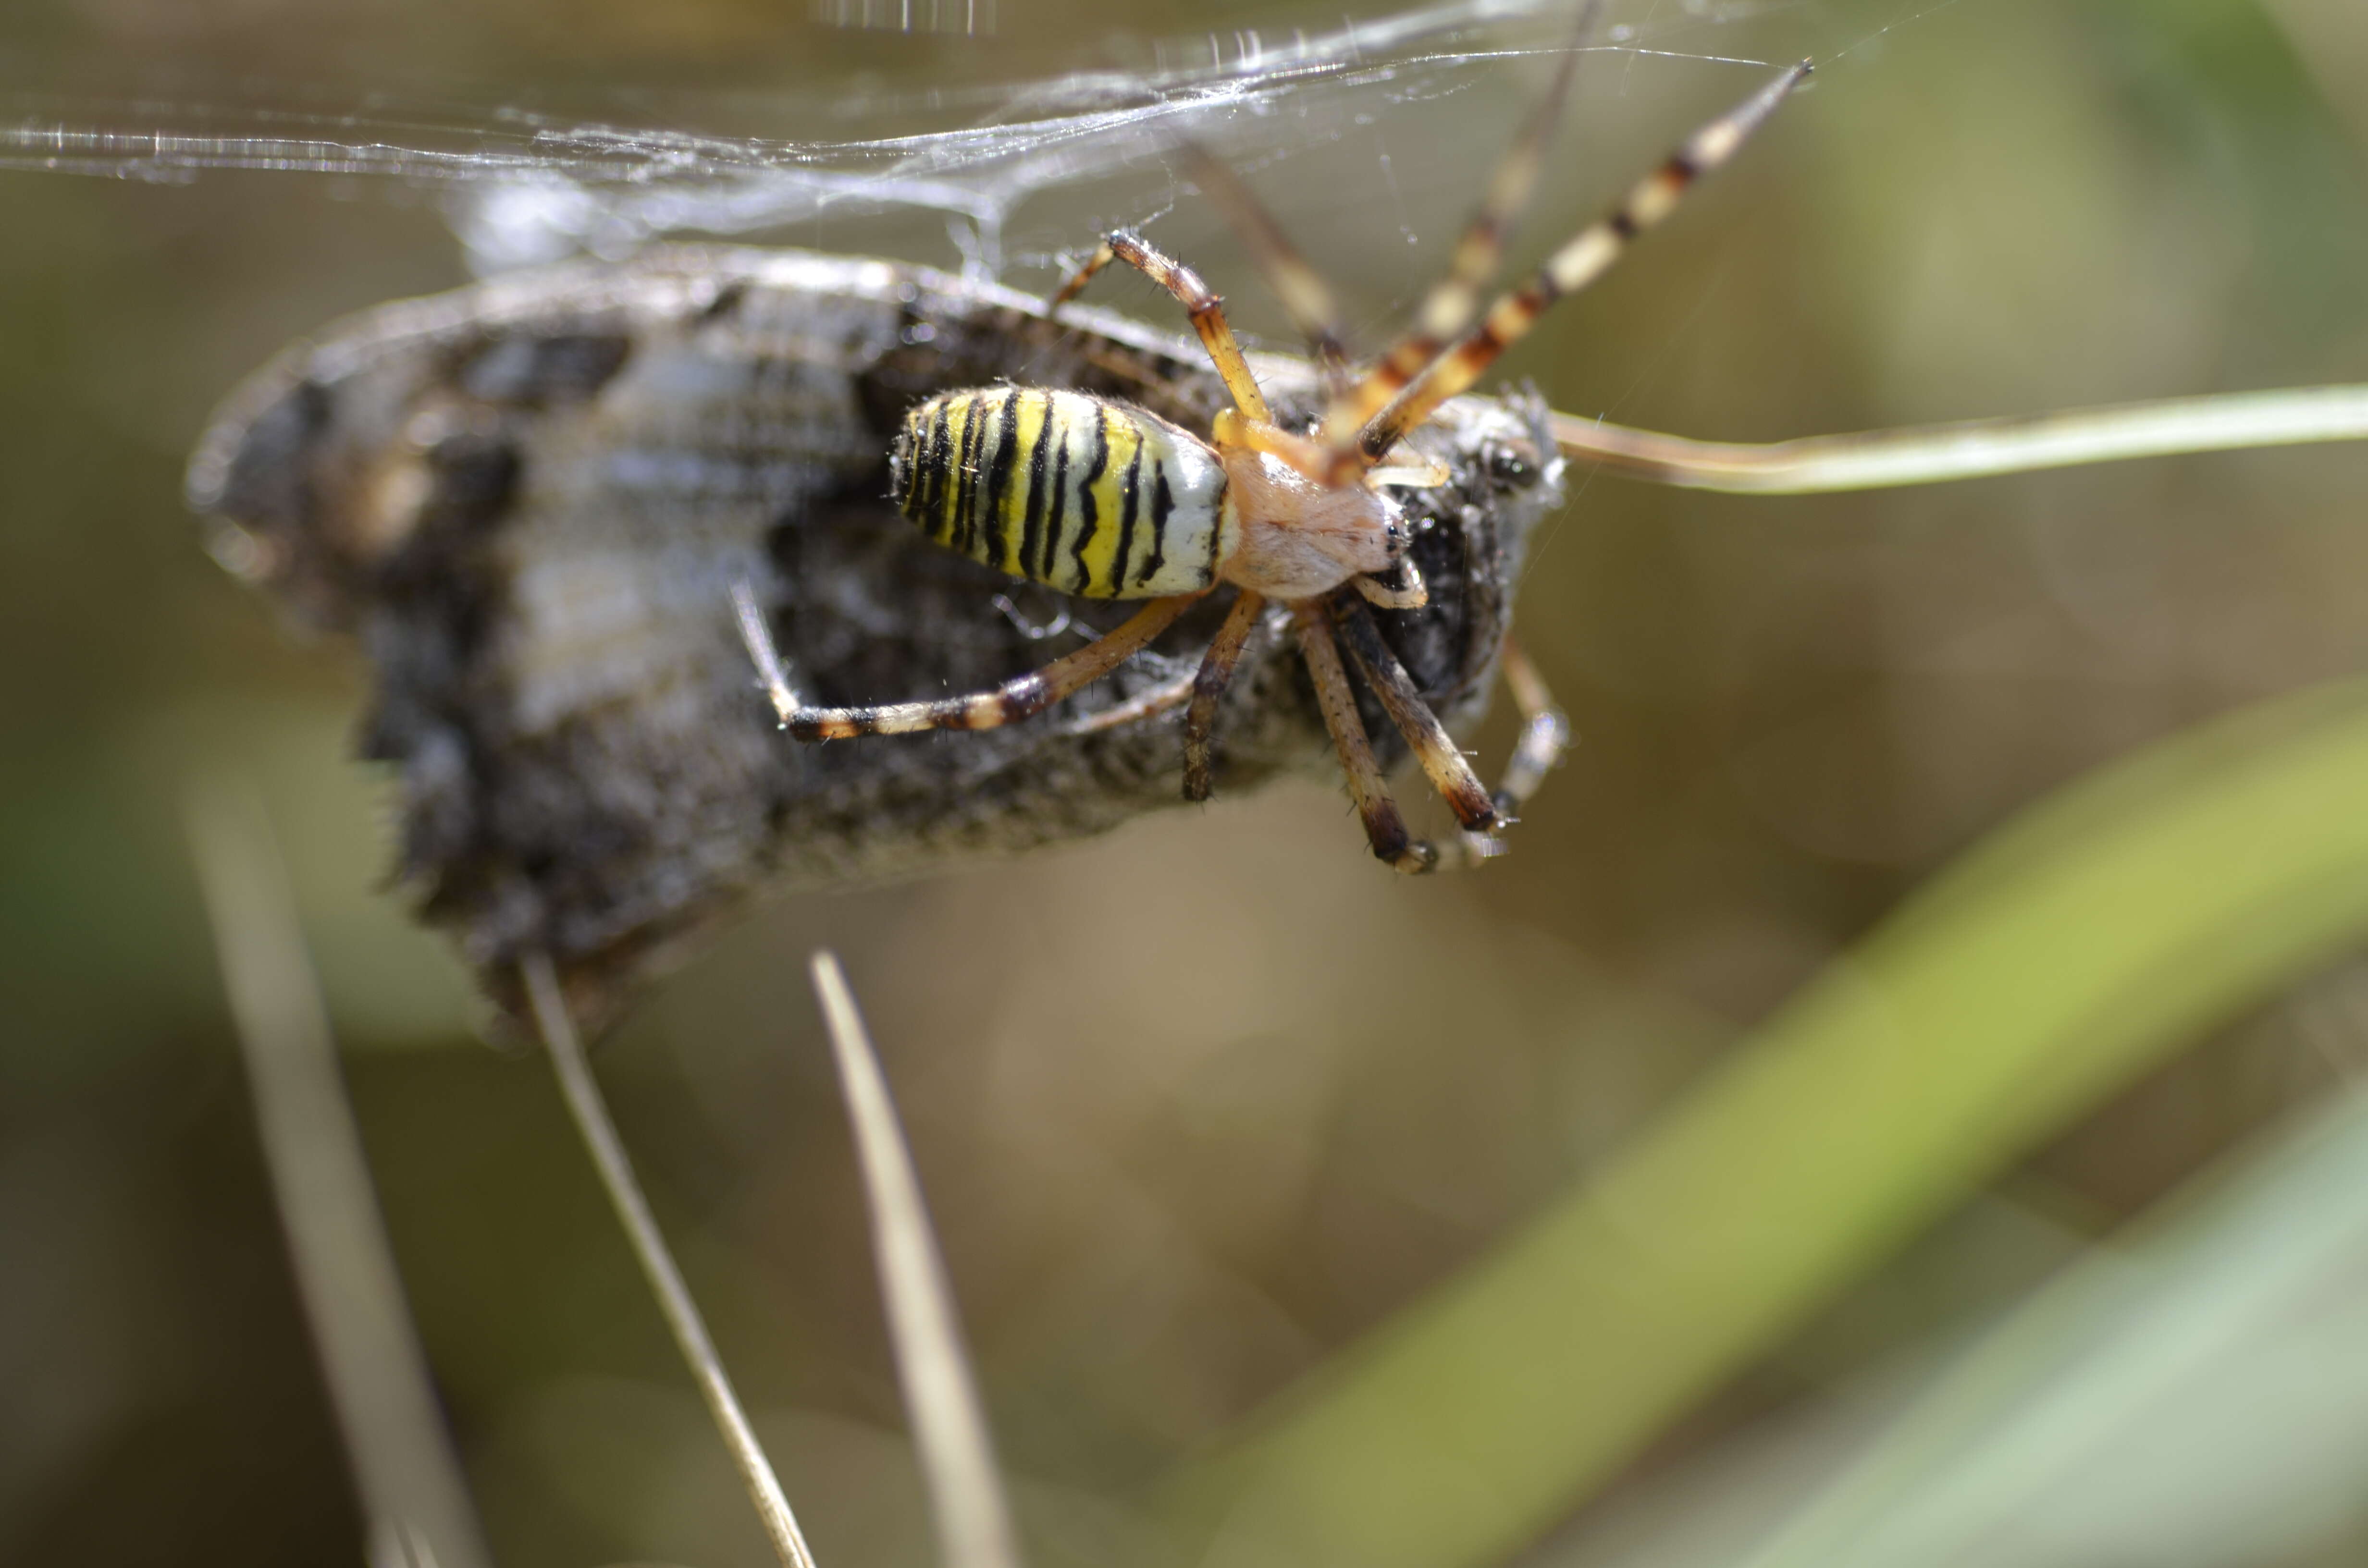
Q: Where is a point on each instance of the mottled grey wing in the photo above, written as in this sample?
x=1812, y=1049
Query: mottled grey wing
x=529, y=500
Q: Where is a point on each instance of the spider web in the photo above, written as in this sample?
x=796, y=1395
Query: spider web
x=522, y=186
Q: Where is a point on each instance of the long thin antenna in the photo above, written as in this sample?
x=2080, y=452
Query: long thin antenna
x=957, y=1448
x=412, y=1493
x=591, y=1114
x=1972, y=449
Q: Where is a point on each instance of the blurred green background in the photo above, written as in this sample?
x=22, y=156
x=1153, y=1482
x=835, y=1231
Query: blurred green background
x=1201, y=1105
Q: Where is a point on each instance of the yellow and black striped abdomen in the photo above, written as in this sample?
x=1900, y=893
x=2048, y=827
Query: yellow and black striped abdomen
x=1075, y=492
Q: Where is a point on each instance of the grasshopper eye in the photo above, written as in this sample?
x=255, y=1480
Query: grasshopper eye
x=1514, y=465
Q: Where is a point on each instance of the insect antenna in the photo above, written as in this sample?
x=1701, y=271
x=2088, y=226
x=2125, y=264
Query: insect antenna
x=1452, y=301
x=1970, y=449
x=1581, y=260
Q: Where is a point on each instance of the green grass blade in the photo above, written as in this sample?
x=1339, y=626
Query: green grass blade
x=2098, y=934
x=2196, y=1393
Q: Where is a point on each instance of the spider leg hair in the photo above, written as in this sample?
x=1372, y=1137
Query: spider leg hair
x=1209, y=683
x=1304, y=294
x=1017, y=698
x=1583, y=259
x=1201, y=303
x=1449, y=771
x=1449, y=307
x=1375, y=807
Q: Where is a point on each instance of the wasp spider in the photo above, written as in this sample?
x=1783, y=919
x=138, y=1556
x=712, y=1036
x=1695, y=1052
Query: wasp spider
x=1097, y=498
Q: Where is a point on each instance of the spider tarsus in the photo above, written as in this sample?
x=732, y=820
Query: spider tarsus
x=1415, y=859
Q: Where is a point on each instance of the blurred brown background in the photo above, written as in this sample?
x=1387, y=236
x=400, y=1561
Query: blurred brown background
x=1196, y=1104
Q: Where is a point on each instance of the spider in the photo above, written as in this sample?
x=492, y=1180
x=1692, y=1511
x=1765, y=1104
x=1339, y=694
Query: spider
x=1095, y=497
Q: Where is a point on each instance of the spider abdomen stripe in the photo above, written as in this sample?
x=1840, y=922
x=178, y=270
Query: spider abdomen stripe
x=1078, y=493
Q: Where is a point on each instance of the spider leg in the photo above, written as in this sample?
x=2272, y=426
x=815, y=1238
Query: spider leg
x=1170, y=695
x=1209, y=683
x=1581, y=260
x=1207, y=311
x=1031, y=693
x=1450, y=773
x=1230, y=429
x=1305, y=297
x=1546, y=734
x=1449, y=307
x=1375, y=807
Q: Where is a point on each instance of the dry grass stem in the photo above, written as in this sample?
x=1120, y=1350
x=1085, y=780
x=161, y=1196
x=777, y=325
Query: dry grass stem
x=957, y=1450
x=412, y=1493
x=591, y=1114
